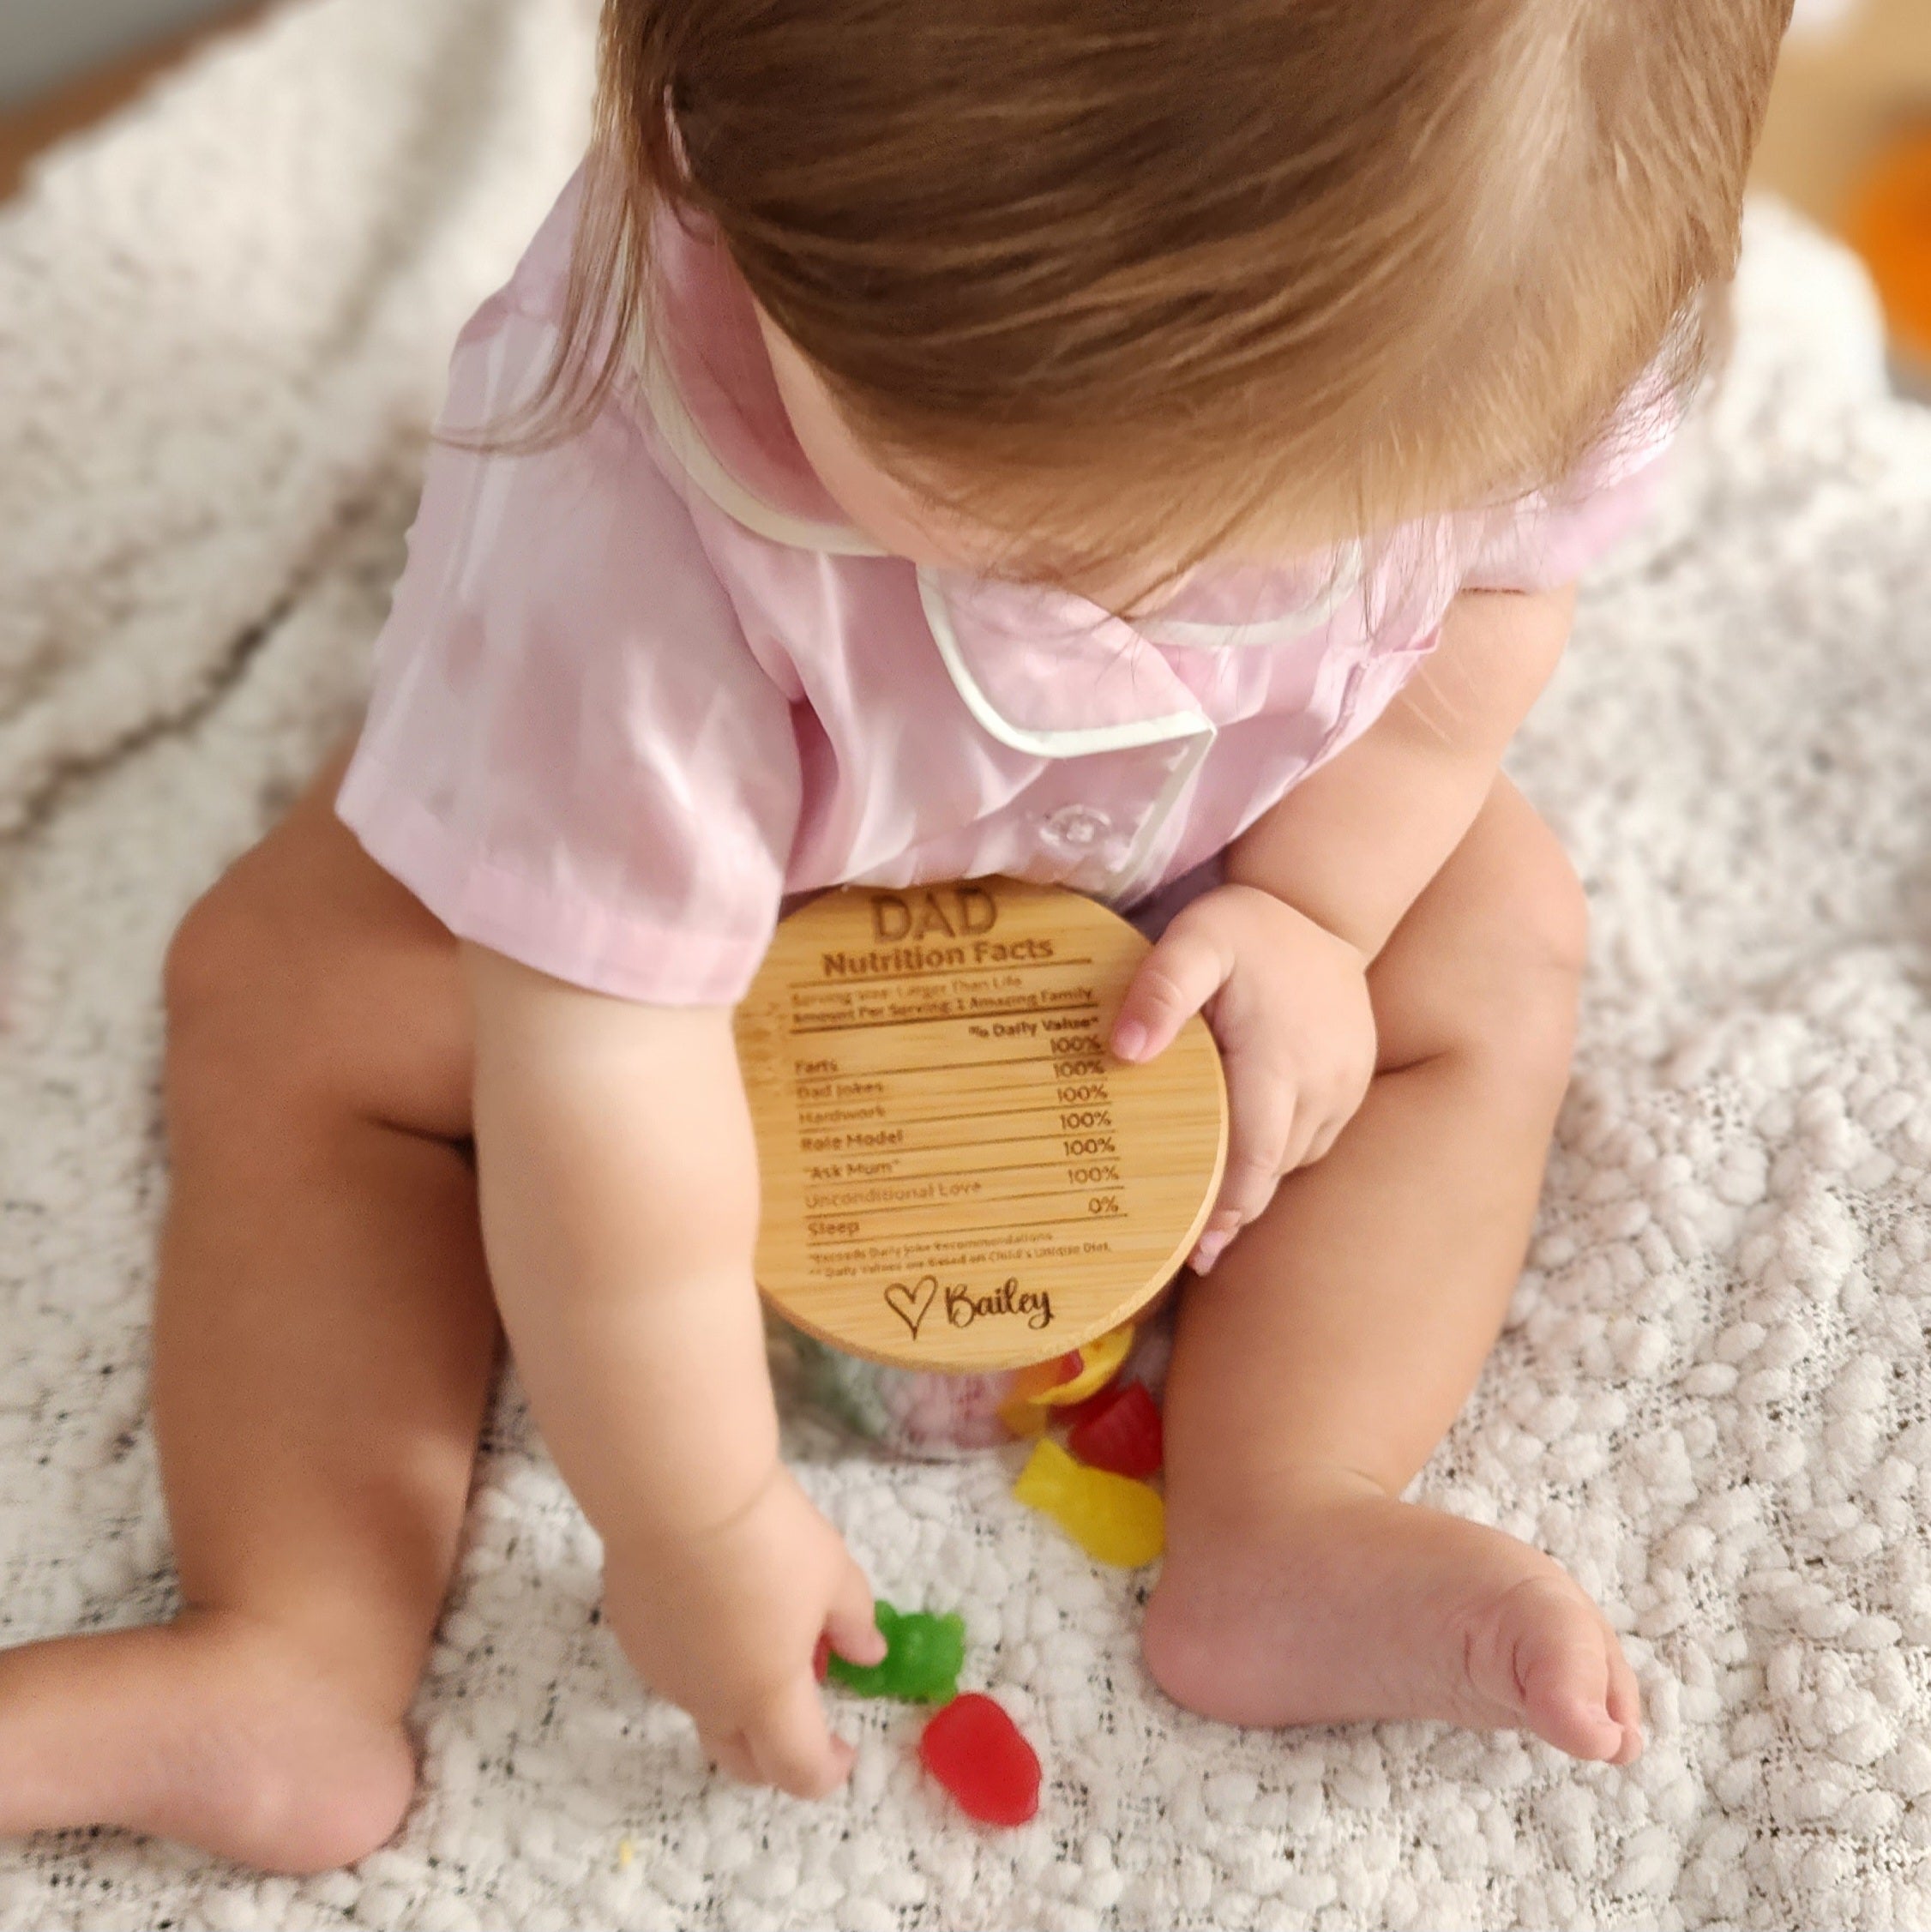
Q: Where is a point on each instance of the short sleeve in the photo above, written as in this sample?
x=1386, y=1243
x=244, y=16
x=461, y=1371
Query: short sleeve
x=1553, y=537
x=571, y=755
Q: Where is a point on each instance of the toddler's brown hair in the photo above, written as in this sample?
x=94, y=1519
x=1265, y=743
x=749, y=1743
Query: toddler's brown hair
x=1107, y=271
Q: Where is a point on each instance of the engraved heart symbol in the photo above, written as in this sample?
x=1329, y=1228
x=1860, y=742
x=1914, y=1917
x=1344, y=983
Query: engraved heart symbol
x=910, y=1304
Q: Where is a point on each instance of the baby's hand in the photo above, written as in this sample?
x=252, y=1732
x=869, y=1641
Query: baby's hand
x=1288, y=1002
x=724, y=1623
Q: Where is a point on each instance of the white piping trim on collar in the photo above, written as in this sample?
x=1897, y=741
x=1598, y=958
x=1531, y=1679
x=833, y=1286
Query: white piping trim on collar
x=685, y=442
x=1138, y=874
x=1075, y=742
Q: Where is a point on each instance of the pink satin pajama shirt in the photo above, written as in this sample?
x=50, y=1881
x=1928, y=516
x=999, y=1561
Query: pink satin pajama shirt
x=637, y=688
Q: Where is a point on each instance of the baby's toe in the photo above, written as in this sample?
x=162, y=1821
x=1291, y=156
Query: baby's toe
x=1626, y=1703
x=1564, y=1665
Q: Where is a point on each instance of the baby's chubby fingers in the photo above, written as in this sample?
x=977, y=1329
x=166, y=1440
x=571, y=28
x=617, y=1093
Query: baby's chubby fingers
x=787, y=1739
x=1189, y=964
x=1260, y=1107
x=791, y=1744
x=851, y=1622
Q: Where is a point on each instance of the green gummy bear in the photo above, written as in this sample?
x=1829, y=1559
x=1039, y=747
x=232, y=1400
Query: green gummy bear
x=922, y=1656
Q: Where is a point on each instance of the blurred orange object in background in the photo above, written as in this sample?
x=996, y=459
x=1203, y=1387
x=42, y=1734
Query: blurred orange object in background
x=1888, y=222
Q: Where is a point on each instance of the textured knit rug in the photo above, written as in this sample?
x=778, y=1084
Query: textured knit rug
x=222, y=322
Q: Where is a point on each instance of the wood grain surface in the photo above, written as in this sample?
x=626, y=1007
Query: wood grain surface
x=957, y=1173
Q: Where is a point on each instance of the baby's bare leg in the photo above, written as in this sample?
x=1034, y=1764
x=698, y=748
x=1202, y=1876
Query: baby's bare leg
x=1319, y=1364
x=324, y=1339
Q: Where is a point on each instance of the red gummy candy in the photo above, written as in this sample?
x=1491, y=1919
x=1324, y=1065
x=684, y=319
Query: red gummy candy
x=975, y=1750
x=1122, y=1433
x=1074, y=1413
x=822, y=1659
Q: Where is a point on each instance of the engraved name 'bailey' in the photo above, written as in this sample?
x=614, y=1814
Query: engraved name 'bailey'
x=910, y=1302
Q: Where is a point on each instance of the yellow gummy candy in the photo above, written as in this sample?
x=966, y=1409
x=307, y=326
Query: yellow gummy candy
x=1100, y=1362
x=1110, y=1517
x=1031, y=1383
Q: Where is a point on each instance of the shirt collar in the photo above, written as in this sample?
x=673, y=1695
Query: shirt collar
x=716, y=404
x=1052, y=674
x=1042, y=669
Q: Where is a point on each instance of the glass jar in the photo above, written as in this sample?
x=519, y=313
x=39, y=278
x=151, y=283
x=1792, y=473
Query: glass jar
x=928, y=1416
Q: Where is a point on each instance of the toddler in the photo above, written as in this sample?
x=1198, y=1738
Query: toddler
x=1110, y=442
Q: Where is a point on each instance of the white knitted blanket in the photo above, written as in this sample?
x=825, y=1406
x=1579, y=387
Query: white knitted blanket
x=222, y=324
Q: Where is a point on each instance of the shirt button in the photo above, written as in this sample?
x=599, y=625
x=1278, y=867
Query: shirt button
x=1075, y=827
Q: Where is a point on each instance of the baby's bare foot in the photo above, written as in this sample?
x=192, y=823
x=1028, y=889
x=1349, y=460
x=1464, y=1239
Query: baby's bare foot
x=215, y=1730
x=1343, y=1605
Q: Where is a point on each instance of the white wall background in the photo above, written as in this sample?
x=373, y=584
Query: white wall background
x=44, y=42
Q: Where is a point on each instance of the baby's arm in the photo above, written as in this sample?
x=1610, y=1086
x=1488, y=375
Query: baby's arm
x=1353, y=847
x=1278, y=955
x=618, y=1180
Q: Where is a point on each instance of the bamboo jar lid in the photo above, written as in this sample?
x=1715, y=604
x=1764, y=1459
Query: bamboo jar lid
x=957, y=1173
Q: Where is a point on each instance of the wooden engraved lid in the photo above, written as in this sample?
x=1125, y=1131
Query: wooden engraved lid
x=957, y=1173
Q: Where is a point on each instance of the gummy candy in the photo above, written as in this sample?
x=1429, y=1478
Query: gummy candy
x=821, y=1657
x=1032, y=1382
x=922, y=1654
x=1120, y=1430
x=1100, y=1362
x=1071, y=1418
x=1110, y=1517
x=1068, y=1381
x=976, y=1751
